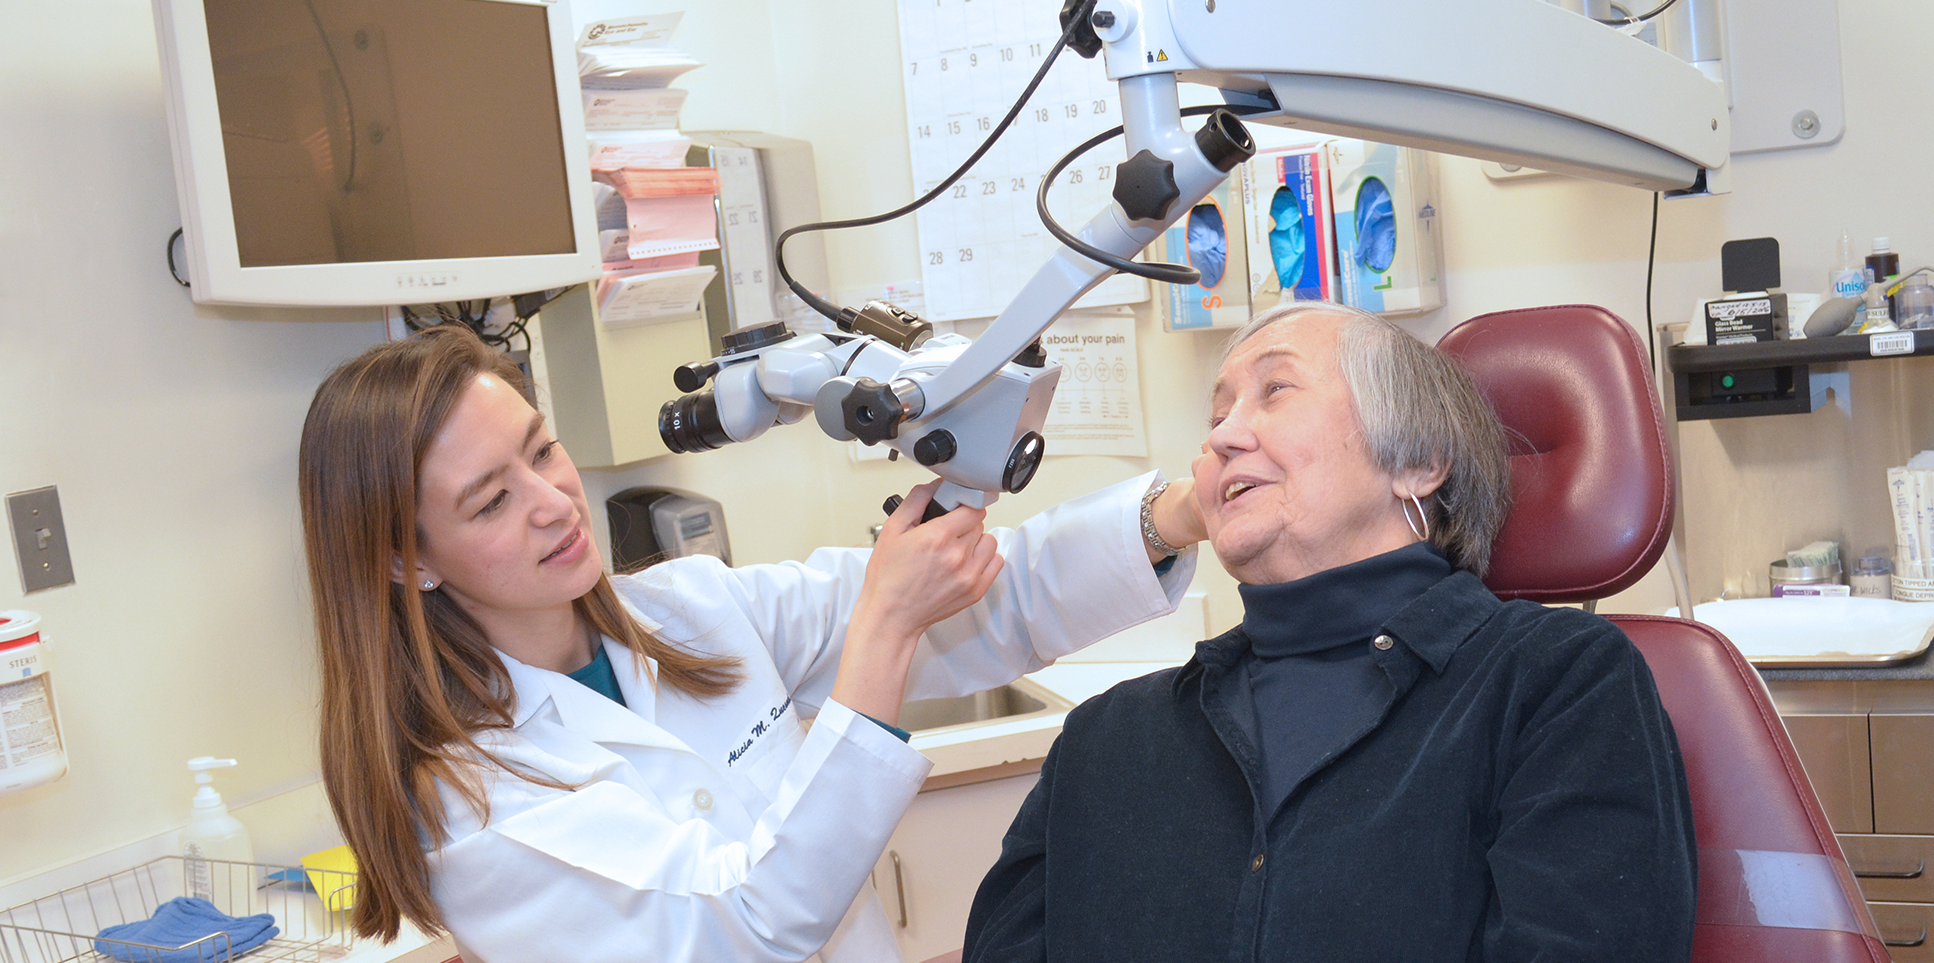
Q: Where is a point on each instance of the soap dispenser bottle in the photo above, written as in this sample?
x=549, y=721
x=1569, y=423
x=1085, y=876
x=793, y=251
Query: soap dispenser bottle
x=216, y=845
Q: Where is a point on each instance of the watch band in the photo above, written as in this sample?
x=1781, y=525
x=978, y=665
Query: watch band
x=1149, y=534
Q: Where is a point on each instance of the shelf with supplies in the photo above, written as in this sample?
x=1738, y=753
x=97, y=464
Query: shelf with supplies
x=1773, y=377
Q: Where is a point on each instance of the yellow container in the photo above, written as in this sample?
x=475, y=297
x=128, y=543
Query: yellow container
x=332, y=874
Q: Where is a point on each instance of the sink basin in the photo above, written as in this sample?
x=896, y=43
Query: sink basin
x=1017, y=700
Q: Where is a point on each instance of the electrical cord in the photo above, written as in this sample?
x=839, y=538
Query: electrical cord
x=825, y=307
x=1641, y=18
x=1651, y=261
x=1153, y=270
x=475, y=315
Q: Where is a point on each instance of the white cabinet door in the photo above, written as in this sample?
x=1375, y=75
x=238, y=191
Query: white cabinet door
x=936, y=859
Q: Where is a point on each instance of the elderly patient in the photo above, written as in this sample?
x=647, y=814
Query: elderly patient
x=1383, y=761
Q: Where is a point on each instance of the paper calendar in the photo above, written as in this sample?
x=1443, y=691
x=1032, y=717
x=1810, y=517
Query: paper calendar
x=1098, y=404
x=964, y=63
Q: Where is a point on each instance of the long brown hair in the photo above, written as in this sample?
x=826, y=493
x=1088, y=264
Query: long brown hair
x=407, y=676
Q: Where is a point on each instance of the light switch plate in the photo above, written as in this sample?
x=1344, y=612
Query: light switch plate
x=40, y=539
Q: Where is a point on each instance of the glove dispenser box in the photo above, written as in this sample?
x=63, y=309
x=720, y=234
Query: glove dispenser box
x=1292, y=241
x=1347, y=221
x=1387, y=244
x=1210, y=239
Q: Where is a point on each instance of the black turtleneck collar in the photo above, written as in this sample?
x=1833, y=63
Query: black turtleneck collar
x=1337, y=606
x=1314, y=684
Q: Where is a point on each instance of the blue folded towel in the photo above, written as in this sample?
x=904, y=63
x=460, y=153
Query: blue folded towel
x=181, y=921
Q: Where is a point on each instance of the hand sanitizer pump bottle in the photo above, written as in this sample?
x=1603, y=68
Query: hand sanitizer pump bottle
x=217, y=846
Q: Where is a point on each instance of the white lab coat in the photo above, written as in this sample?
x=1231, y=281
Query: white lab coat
x=726, y=829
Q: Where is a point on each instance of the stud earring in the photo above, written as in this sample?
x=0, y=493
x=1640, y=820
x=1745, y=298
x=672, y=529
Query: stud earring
x=428, y=585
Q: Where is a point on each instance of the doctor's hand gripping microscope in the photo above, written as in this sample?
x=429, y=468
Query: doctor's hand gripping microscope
x=1516, y=81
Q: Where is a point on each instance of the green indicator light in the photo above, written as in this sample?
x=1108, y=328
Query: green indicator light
x=1726, y=381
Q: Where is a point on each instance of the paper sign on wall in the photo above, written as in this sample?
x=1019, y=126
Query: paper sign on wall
x=1098, y=405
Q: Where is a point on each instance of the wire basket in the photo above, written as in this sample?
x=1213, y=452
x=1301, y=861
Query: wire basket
x=309, y=906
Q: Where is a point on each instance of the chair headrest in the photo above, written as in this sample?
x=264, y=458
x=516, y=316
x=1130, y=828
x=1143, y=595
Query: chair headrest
x=1591, y=474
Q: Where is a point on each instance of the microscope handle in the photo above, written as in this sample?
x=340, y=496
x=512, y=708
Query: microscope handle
x=934, y=508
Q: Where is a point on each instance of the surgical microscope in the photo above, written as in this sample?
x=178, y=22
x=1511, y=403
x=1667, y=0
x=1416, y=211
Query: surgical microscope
x=1516, y=81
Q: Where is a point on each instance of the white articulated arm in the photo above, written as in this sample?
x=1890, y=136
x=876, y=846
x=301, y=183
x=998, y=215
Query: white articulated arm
x=1152, y=122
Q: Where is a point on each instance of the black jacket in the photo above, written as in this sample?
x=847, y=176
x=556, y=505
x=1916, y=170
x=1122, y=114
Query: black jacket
x=1521, y=797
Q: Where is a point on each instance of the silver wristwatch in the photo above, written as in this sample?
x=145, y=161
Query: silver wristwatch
x=1149, y=534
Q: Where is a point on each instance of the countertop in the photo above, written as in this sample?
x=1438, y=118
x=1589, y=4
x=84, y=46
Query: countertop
x=1918, y=667
x=993, y=744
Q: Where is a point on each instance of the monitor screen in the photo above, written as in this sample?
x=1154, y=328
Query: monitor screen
x=389, y=130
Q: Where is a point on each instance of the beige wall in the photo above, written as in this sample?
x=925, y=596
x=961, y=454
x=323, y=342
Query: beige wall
x=171, y=429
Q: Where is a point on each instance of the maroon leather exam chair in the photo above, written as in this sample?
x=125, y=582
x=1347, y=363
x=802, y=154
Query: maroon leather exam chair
x=1593, y=480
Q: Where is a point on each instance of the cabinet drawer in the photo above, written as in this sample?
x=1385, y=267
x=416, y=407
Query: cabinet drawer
x=934, y=863
x=1895, y=868
x=1904, y=927
x=1833, y=748
x=1903, y=745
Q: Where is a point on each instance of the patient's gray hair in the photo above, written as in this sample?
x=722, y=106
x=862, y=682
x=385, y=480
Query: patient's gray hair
x=1418, y=409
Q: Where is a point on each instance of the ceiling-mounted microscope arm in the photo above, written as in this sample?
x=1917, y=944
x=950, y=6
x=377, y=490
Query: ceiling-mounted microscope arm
x=1515, y=81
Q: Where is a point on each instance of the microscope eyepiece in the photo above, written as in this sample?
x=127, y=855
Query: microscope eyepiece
x=691, y=423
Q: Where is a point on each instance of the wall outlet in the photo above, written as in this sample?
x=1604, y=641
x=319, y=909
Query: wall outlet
x=40, y=539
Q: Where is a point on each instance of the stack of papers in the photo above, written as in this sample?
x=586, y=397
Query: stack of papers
x=625, y=69
x=668, y=210
x=654, y=214
x=615, y=149
x=652, y=296
x=628, y=66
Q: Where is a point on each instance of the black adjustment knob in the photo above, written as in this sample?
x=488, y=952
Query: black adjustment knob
x=1145, y=187
x=753, y=338
x=691, y=377
x=1032, y=356
x=872, y=412
x=935, y=447
x=1084, y=41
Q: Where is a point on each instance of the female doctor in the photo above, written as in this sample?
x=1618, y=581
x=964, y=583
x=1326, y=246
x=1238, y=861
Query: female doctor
x=553, y=764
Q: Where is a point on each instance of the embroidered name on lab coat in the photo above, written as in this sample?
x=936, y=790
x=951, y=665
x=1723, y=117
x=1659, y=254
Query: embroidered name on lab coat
x=759, y=729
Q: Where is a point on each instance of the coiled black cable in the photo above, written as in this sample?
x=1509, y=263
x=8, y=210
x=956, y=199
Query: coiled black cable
x=1153, y=270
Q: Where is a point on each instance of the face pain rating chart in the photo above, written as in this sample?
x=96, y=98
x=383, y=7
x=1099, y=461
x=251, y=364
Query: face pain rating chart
x=964, y=63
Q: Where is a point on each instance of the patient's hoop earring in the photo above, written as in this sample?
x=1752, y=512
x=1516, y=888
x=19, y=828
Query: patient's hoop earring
x=1421, y=526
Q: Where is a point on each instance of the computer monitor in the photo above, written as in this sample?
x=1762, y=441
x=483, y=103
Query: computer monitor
x=377, y=152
